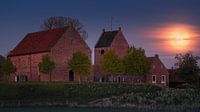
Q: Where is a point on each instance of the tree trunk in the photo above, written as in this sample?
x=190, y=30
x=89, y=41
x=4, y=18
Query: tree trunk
x=39, y=79
x=79, y=79
x=50, y=76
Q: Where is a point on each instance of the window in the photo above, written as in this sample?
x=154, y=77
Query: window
x=153, y=78
x=102, y=52
x=163, y=79
x=21, y=78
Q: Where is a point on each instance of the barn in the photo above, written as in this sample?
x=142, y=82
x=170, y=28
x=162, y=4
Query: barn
x=59, y=44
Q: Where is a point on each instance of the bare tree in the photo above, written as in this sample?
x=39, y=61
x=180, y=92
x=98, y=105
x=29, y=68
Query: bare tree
x=60, y=22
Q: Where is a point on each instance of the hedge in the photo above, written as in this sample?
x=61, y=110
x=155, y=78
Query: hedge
x=74, y=92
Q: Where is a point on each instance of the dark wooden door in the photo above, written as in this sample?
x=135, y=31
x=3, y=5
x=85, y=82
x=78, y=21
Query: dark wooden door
x=71, y=75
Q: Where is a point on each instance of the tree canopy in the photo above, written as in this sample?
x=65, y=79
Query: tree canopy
x=60, y=22
x=136, y=62
x=80, y=64
x=188, y=68
x=46, y=66
x=7, y=68
x=112, y=64
x=2, y=59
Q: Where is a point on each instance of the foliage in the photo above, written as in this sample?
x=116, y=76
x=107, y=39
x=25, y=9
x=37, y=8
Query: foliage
x=72, y=92
x=136, y=62
x=112, y=65
x=188, y=67
x=46, y=66
x=86, y=92
x=2, y=59
x=80, y=64
x=7, y=67
x=187, y=96
x=60, y=22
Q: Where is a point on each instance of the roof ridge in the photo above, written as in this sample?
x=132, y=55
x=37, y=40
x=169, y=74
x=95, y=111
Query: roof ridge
x=42, y=31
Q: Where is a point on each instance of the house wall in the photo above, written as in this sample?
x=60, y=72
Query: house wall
x=120, y=45
x=27, y=65
x=62, y=52
x=158, y=69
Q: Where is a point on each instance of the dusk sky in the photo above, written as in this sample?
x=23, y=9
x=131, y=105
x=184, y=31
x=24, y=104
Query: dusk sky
x=163, y=27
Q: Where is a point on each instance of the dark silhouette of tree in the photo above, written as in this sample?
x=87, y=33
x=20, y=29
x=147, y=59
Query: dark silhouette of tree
x=60, y=22
x=7, y=68
x=2, y=59
x=187, y=67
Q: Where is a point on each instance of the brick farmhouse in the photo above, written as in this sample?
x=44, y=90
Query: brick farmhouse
x=115, y=40
x=59, y=44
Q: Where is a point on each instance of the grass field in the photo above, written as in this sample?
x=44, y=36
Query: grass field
x=54, y=94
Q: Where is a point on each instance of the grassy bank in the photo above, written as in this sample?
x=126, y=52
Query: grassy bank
x=95, y=95
x=81, y=93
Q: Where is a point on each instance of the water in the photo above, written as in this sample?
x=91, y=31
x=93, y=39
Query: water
x=64, y=109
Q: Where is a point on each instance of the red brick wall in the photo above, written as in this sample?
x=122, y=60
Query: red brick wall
x=120, y=45
x=27, y=65
x=61, y=53
x=158, y=69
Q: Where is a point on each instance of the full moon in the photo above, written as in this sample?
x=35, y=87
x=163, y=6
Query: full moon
x=179, y=38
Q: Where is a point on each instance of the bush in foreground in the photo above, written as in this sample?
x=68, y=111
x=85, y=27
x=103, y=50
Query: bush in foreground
x=81, y=93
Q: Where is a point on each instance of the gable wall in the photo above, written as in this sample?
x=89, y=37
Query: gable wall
x=158, y=69
x=63, y=50
x=120, y=45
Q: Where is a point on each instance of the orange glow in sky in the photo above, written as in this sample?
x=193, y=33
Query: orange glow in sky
x=179, y=37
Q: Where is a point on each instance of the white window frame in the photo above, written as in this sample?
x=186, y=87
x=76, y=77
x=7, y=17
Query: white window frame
x=163, y=81
x=154, y=82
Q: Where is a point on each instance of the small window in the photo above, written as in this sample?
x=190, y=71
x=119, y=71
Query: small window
x=21, y=78
x=153, y=78
x=163, y=79
x=102, y=52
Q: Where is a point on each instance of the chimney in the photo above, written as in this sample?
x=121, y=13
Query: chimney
x=119, y=28
x=156, y=55
x=104, y=30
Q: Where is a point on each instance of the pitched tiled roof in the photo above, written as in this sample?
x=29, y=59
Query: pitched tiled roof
x=38, y=42
x=106, y=39
x=151, y=59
